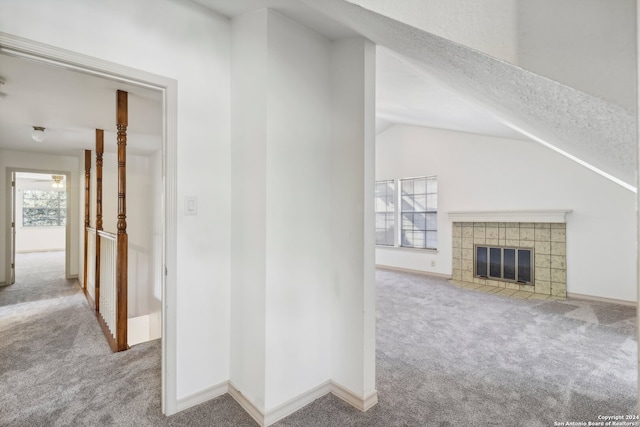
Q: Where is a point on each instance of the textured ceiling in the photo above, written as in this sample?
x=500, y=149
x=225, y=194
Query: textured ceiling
x=601, y=135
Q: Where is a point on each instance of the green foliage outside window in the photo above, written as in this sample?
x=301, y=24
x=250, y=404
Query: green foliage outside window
x=44, y=208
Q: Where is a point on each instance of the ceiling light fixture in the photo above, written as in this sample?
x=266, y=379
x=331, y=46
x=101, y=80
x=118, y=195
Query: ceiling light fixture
x=38, y=134
x=57, y=181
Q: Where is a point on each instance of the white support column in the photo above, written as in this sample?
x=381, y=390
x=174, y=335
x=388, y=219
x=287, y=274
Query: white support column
x=353, y=260
x=302, y=217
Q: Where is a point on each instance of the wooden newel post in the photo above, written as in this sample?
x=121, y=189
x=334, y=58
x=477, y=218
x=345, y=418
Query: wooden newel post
x=99, y=153
x=87, y=220
x=122, y=239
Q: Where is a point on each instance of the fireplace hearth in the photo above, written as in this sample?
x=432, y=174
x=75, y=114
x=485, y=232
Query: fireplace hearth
x=526, y=256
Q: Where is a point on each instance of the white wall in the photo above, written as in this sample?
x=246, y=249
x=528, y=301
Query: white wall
x=485, y=173
x=35, y=161
x=353, y=226
x=281, y=202
x=248, y=205
x=298, y=211
x=589, y=45
x=292, y=269
x=190, y=44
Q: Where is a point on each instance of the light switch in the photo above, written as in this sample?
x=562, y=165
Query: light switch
x=191, y=205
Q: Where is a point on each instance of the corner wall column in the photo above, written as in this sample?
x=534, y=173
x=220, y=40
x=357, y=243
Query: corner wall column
x=99, y=153
x=122, y=239
x=87, y=201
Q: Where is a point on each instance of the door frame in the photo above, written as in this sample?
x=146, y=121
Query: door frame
x=72, y=203
x=18, y=46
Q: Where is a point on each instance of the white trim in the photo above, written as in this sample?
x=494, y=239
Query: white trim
x=572, y=157
x=545, y=215
x=296, y=403
x=363, y=403
x=264, y=419
x=601, y=299
x=430, y=251
x=202, y=396
x=18, y=46
x=408, y=270
x=73, y=205
x=247, y=404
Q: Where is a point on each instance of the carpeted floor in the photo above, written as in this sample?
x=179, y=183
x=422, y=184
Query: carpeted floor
x=445, y=357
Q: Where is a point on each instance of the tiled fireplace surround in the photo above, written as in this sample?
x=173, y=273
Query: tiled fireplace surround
x=548, y=239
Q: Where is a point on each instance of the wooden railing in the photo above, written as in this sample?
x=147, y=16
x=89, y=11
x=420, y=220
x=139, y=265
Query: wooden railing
x=106, y=254
x=108, y=308
x=90, y=282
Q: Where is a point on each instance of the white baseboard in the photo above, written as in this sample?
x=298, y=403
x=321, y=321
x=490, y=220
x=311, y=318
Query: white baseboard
x=363, y=403
x=28, y=251
x=247, y=404
x=265, y=419
x=408, y=270
x=202, y=396
x=297, y=403
x=602, y=299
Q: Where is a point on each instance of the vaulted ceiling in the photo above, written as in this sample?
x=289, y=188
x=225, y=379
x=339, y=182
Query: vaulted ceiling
x=422, y=79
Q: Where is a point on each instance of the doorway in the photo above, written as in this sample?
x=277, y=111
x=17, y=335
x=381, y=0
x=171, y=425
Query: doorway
x=167, y=233
x=38, y=202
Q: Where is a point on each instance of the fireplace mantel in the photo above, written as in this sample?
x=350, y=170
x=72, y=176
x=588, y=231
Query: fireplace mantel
x=546, y=215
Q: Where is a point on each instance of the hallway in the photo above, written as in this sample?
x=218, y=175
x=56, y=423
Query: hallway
x=56, y=368
x=39, y=276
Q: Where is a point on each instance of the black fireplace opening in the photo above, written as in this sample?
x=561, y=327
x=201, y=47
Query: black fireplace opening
x=504, y=263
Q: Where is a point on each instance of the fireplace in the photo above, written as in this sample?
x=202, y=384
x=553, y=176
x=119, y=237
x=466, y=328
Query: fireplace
x=504, y=263
x=523, y=251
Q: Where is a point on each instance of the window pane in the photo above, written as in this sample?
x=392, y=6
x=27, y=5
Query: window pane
x=432, y=185
x=432, y=239
x=509, y=264
x=407, y=238
x=419, y=239
x=524, y=266
x=420, y=186
x=419, y=221
x=432, y=202
x=407, y=186
x=407, y=204
x=432, y=221
x=481, y=261
x=407, y=221
x=420, y=203
x=495, y=262
x=43, y=208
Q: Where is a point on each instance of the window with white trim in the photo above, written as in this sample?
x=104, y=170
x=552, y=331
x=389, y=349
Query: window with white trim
x=44, y=208
x=419, y=212
x=414, y=207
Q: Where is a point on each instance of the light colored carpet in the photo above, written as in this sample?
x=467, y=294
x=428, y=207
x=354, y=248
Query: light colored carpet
x=445, y=357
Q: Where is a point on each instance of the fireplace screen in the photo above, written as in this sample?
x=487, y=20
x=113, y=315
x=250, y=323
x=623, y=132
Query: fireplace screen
x=502, y=263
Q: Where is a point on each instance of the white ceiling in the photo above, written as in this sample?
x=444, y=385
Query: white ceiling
x=71, y=105
x=407, y=94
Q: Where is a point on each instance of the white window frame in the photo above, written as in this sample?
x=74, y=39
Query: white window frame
x=398, y=215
